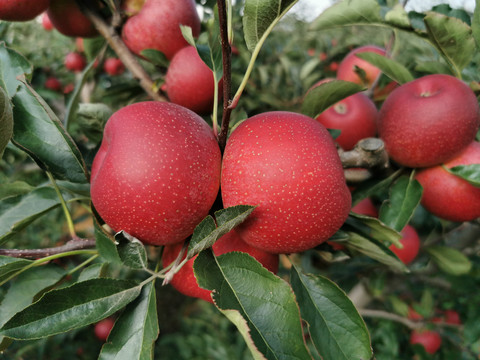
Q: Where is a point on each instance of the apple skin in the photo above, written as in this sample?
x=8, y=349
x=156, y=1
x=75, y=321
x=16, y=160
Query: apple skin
x=144, y=30
x=22, y=10
x=53, y=83
x=157, y=172
x=428, y=121
x=102, y=329
x=366, y=207
x=75, y=62
x=448, y=196
x=186, y=283
x=288, y=166
x=411, y=245
x=346, y=68
x=69, y=20
x=46, y=23
x=430, y=340
x=189, y=81
x=113, y=66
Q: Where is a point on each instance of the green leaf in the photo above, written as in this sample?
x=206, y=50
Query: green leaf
x=69, y=308
x=347, y=13
x=15, y=188
x=131, y=251
x=373, y=228
x=10, y=265
x=93, y=46
x=470, y=173
x=156, y=57
x=6, y=121
x=372, y=187
x=393, y=69
x=92, y=272
x=261, y=16
x=476, y=23
x=13, y=66
x=397, y=16
x=92, y=119
x=134, y=333
x=405, y=196
x=433, y=67
x=336, y=328
x=452, y=38
x=450, y=260
x=106, y=244
x=327, y=94
x=243, y=288
x=39, y=133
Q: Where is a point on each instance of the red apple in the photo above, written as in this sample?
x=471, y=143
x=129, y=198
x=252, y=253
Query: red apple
x=411, y=245
x=157, y=172
x=102, y=328
x=144, y=30
x=46, y=23
x=366, y=207
x=21, y=10
x=68, y=88
x=448, y=196
x=53, y=83
x=346, y=69
x=429, y=120
x=79, y=44
x=186, y=283
x=189, y=81
x=452, y=317
x=113, y=66
x=430, y=340
x=75, y=62
x=288, y=166
x=69, y=20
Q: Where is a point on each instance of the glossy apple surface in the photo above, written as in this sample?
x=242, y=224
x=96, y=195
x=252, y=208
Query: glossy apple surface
x=144, y=30
x=189, y=81
x=286, y=164
x=157, y=172
x=428, y=121
x=22, y=10
x=102, y=328
x=448, y=196
x=430, y=340
x=346, y=68
x=411, y=245
x=186, y=283
x=113, y=66
x=69, y=20
x=75, y=62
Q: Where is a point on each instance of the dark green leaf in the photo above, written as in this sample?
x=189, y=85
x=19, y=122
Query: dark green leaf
x=450, y=260
x=134, y=333
x=131, y=251
x=337, y=329
x=433, y=67
x=92, y=272
x=393, y=69
x=13, y=66
x=476, y=23
x=372, y=187
x=93, y=46
x=347, y=13
x=245, y=292
x=72, y=307
x=261, y=16
x=14, y=188
x=327, y=94
x=155, y=57
x=405, y=195
x=373, y=228
x=471, y=173
x=92, y=119
x=10, y=265
x=40, y=134
x=6, y=121
x=106, y=245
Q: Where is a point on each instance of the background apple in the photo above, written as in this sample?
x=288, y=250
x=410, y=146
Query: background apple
x=430, y=340
x=113, y=66
x=346, y=68
x=21, y=10
x=428, y=121
x=286, y=164
x=102, y=329
x=185, y=282
x=411, y=245
x=69, y=20
x=448, y=196
x=189, y=81
x=75, y=62
x=46, y=23
x=366, y=207
x=144, y=30
x=53, y=83
x=157, y=172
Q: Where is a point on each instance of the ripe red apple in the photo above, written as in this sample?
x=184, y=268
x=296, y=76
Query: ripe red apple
x=448, y=196
x=102, y=328
x=411, y=245
x=429, y=120
x=452, y=317
x=75, y=62
x=189, y=81
x=21, y=10
x=186, y=283
x=366, y=207
x=157, y=172
x=113, y=66
x=346, y=69
x=144, y=30
x=46, y=23
x=288, y=166
x=69, y=20
x=430, y=340
x=53, y=83
x=68, y=88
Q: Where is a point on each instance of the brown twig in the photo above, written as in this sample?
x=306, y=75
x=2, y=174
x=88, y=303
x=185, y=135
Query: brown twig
x=380, y=314
x=72, y=245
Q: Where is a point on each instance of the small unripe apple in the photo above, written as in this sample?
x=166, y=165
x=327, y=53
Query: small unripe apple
x=189, y=81
x=157, y=172
x=113, y=66
x=69, y=20
x=428, y=121
x=75, y=62
x=346, y=69
x=448, y=196
x=288, y=166
x=186, y=283
x=102, y=328
x=46, y=23
x=21, y=10
x=430, y=340
x=53, y=83
x=411, y=245
x=144, y=30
